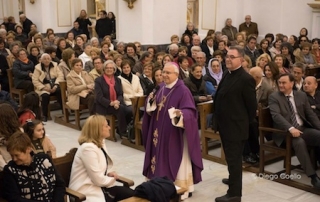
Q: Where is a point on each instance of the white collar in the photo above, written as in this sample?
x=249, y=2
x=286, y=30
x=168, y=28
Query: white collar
x=258, y=86
x=172, y=84
x=234, y=69
x=290, y=94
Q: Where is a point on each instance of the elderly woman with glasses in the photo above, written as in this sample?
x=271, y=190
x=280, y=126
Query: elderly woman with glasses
x=305, y=55
x=46, y=78
x=109, y=96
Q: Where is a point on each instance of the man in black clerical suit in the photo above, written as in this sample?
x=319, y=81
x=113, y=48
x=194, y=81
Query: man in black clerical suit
x=235, y=107
x=292, y=112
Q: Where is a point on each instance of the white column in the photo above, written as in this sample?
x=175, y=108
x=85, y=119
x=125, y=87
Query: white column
x=315, y=27
x=150, y=21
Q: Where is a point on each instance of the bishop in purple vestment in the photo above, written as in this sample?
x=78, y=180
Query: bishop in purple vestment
x=169, y=141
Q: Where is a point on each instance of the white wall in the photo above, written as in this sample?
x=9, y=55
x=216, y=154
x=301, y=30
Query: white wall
x=275, y=16
x=154, y=21
x=45, y=14
x=150, y=21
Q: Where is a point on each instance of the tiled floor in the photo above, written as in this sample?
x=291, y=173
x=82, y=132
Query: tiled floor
x=128, y=162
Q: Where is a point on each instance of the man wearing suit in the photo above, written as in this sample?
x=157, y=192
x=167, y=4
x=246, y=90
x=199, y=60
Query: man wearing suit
x=235, y=107
x=263, y=90
x=201, y=61
x=298, y=74
x=291, y=111
x=249, y=27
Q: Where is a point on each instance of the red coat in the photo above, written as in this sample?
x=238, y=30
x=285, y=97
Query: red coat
x=28, y=114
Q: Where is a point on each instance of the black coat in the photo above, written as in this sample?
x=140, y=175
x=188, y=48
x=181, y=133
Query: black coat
x=83, y=25
x=102, y=94
x=21, y=71
x=3, y=74
x=103, y=27
x=196, y=92
x=26, y=26
x=146, y=85
x=234, y=105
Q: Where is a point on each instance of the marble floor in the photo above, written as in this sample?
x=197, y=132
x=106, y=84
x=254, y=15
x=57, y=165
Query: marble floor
x=128, y=162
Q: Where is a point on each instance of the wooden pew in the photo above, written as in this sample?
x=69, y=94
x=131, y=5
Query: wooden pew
x=208, y=134
x=112, y=123
x=274, y=152
x=137, y=103
x=64, y=164
x=65, y=119
x=266, y=129
x=14, y=91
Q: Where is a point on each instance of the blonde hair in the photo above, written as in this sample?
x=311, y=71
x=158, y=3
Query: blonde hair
x=264, y=55
x=91, y=131
x=248, y=60
x=96, y=50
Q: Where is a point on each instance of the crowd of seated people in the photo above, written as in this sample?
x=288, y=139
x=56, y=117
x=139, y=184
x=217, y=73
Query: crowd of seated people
x=104, y=76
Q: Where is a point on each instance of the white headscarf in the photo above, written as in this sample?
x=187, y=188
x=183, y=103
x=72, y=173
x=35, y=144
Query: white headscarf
x=217, y=76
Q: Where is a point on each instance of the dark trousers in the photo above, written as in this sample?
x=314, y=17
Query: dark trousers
x=117, y=193
x=233, y=151
x=4, y=84
x=123, y=115
x=252, y=145
x=45, y=100
x=26, y=85
x=310, y=137
x=89, y=100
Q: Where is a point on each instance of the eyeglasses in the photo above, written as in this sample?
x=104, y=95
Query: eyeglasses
x=166, y=72
x=232, y=57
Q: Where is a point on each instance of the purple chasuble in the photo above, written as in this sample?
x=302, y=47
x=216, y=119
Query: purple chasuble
x=163, y=142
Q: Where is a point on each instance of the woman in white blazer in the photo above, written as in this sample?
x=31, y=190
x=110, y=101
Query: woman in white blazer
x=131, y=87
x=90, y=173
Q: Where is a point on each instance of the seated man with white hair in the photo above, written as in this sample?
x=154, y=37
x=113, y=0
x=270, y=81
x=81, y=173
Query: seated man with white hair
x=173, y=50
x=194, y=50
x=26, y=23
x=201, y=61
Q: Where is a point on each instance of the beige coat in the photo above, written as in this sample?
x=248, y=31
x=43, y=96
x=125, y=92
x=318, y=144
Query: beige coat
x=94, y=74
x=64, y=68
x=48, y=146
x=39, y=75
x=76, y=88
x=300, y=58
x=132, y=89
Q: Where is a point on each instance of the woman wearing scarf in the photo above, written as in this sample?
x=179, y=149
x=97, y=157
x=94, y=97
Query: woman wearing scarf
x=22, y=71
x=131, y=87
x=109, y=96
x=214, y=76
x=197, y=85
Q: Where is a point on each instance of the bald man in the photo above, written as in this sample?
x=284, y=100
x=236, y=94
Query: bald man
x=310, y=87
x=263, y=89
x=249, y=27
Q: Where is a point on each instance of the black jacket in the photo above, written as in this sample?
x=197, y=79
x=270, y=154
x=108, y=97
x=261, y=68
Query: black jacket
x=104, y=27
x=156, y=190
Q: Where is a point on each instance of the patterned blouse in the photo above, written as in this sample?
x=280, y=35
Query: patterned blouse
x=37, y=182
